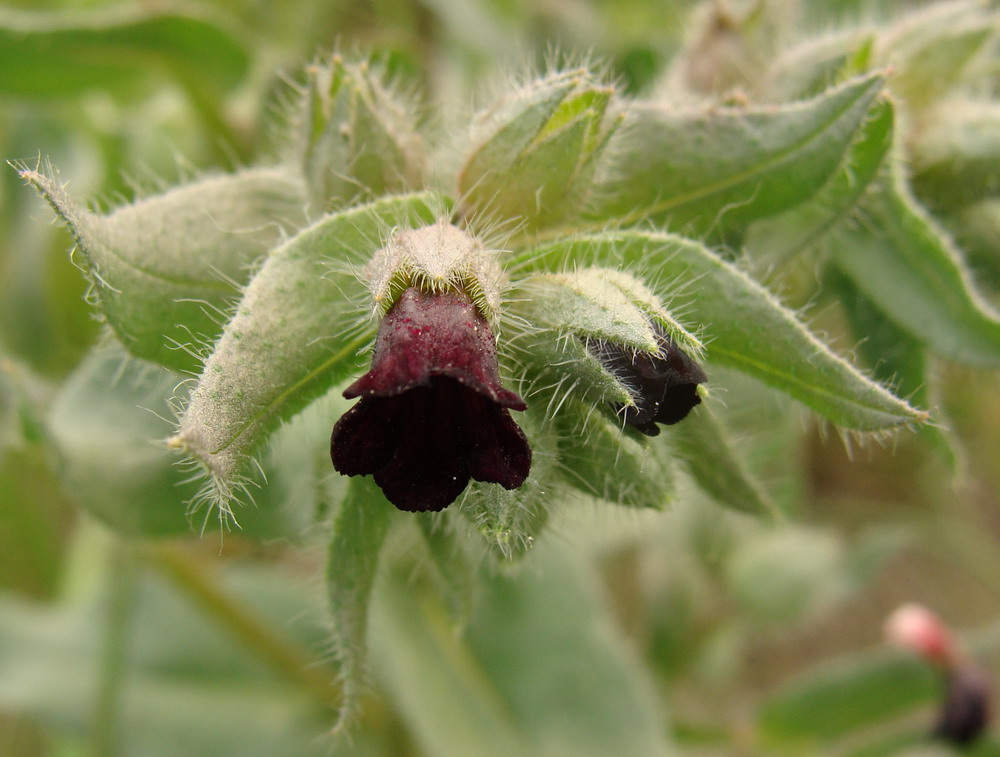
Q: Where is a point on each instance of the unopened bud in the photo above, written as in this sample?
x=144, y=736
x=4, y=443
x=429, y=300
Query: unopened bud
x=534, y=156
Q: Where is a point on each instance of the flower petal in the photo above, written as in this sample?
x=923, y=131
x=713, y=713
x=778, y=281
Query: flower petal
x=425, y=335
x=429, y=469
x=364, y=439
x=497, y=447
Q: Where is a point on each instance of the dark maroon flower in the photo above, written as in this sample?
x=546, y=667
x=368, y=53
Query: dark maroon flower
x=965, y=711
x=432, y=413
x=664, y=386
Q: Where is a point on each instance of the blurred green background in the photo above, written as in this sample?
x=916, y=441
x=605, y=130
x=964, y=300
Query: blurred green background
x=726, y=636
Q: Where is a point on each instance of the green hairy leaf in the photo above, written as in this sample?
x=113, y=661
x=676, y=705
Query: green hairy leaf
x=166, y=270
x=359, y=530
x=903, y=262
x=601, y=459
x=704, y=445
x=715, y=169
x=779, y=237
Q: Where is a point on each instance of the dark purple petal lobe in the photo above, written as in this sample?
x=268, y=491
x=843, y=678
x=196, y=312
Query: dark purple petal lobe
x=498, y=450
x=364, y=439
x=429, y=469
x=664, y=386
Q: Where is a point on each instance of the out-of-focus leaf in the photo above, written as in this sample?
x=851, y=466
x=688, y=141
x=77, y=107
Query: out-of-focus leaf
x=106, y=426
x=892, y=354
x=188, y=688
x=773, y=240
x=298, y=330
x=743, y=325
x=902, y=261
x=712, y=461
x=784, y=575
x=841, y=697
x=532, y=655
x=451, y=707
x=977, y=230
x=359, y=530
x=455, y=568
x=956, y=154
x=930, y=50
x=58, y=54
x=719, y=169
x=525, y=682
x=34, y=521
x=166, y=270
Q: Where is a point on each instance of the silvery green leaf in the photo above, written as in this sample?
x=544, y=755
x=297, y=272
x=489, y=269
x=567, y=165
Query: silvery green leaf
x=166, y=270
x=359, y=530
x=956, y=154
x=299, y=329
x=741, y=324
x=773, y=240
x=720, y=168
x=711, y=459
x=899, y=257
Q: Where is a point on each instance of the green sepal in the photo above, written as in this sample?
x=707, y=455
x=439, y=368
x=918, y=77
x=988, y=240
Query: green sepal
x=567, y=310
x=511, y=520
x=602, y=458
x=358, y=134
x=537, y=158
